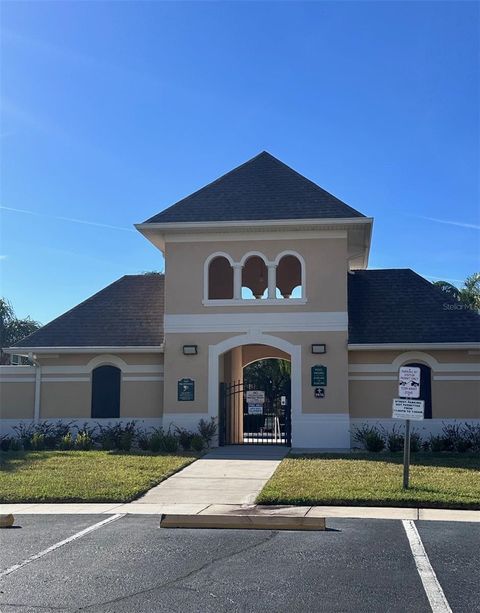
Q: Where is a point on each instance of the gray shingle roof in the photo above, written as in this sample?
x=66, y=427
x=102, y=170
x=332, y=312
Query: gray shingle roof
x=262, y=188
x=129, y=312
x=384, y=306
x=400, y=306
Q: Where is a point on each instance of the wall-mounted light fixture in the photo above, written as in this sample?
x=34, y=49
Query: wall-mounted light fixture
x=319, y=348
x=190, y=349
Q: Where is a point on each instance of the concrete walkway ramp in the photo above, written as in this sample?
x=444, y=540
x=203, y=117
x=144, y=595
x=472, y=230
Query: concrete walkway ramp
x=226, y=475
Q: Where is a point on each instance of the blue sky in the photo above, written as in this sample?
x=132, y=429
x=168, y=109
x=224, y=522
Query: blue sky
x=112, y=111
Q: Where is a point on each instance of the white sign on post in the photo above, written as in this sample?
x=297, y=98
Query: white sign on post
x=255, y=397
x=409, y=382
x=405, y=408
x=255, y=409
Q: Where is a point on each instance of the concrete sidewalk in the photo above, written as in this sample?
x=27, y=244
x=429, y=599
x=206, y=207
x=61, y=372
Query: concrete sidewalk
x=226, y=475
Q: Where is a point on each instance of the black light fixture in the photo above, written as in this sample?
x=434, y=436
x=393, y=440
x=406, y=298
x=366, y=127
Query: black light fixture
x=190, y=349
x=319, y=348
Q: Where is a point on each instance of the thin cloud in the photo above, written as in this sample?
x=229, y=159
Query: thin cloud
x=460, y=224
x=3, y=257
x=69, y=219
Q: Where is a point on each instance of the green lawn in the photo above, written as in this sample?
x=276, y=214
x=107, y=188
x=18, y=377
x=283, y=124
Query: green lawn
x=448, y=481
x=82, y=476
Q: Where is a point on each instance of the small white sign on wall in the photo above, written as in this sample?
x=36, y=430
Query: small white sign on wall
x=409, y=382
x=255, y=409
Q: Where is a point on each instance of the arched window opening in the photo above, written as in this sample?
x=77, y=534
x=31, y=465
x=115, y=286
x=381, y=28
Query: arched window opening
x=220, y=279
x=425, y=387
x=106, y=392
x=255, y=277
x=289, y=277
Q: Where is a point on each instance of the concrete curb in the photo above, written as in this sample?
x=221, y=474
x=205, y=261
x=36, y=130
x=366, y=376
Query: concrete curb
x=243, y=522
x=141, y=508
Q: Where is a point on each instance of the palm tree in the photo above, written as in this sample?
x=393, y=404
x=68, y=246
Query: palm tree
x=12, y=329
x=469, y=294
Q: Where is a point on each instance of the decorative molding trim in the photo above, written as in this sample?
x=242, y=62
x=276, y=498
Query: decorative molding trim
x=65, y=379
x=335, y=321
x=10, y=369
x=212, y=237
x=418, y=346
x=127, y=378
x=248, y=302
x=373, y=378
x=127, y=368
x=117, y=349
x=457, y=378
x=17, y=379
x=394, y=366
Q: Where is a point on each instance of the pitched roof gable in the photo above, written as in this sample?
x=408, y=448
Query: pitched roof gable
x=264, y=188
x=400, y=306
x=129, y=312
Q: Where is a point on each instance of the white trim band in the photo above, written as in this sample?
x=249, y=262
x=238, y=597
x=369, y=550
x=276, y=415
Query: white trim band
x=335, y=321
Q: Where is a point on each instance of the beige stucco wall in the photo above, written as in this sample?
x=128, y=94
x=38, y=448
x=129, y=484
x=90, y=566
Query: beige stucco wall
x=325, y=263
x=65, y=390
x=17, y=400
x=454, y=397
x=178, y=366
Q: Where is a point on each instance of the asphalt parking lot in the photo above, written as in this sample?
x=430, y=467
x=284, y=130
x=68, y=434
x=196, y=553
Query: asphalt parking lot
x=131, y=565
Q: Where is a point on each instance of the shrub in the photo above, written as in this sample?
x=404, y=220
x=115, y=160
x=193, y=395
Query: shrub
x=66, y=442
x=169, y=443
x=415, y=441
x=395, y=440
x=471, y=432
x=197, y=442
x=437, y=443
x=37, y=442
x=370, y=437
x=15, y=444
x=117, y=436
x=164, y=442
x=143, y=440
x=5, y=442
x=84, y=440
x=451, y=435
x=207, y=430
x=185, y=438
x=25, y=433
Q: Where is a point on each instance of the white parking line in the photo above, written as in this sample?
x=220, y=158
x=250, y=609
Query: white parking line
x=74, y=537
x=432, y=587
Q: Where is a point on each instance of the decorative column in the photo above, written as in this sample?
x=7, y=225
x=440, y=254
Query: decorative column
x=272, y=281
x=237, y=281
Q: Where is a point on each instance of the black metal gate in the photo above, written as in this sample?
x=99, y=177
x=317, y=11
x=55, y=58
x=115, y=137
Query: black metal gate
x=241, y=424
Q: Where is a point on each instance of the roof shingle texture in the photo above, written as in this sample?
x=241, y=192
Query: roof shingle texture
x=400, y=306
x=384, y=306
x=129, y=312
x=260, y=189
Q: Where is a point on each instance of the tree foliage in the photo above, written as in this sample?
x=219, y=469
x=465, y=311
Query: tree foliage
x=468, y=295
x=271, y=375
x=12, y=329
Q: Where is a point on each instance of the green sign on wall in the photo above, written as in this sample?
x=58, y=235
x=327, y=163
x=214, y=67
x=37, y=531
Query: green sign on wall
x=186, y=389
x=319, y=375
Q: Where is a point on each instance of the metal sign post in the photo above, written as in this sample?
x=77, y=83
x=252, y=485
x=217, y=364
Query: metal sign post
x=406, y=455
x=407, y=408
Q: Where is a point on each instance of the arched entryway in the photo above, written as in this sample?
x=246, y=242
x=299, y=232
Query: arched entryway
x=232, y=398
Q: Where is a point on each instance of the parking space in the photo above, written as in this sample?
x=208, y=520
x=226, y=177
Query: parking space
x=132, y=565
